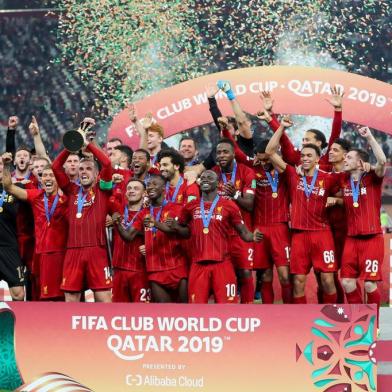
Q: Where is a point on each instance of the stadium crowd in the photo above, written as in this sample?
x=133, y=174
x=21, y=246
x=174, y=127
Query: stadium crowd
x=160, y=224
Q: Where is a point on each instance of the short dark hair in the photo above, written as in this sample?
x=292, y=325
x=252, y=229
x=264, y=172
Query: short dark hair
x=23, y=147
x=363, y=155
x=227, y=141
x=319, y=137
x=134, y=179
x=145, y=152
x=115, y=139
x=176, y=158
x=125, y=150
x=187, y=138
x=156, y=175
x=261, y=146
x=344, y=143
x=88, y=159
x=233, y=122
x=311, y=145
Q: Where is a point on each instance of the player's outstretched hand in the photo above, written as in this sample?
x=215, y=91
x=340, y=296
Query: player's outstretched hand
x=257, y=235
x=142, y=249
x=336, y=99
x=116, y=218
x=132, y=114
x=33, y=127
x=267, y=100
x=211, y=90
x=223, y=123
x=365, y=132
x=263, y=116
x=229, y=189
x=148, y=221
x=117, y=178
x=286, y=121
x=6, y=157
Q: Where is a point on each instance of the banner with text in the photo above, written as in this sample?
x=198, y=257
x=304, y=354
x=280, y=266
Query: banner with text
x=138, y=347
x=296, y=90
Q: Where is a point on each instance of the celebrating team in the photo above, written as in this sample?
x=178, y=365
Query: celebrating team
x=156, y=224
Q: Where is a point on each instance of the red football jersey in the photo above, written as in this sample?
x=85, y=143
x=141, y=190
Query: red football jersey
x=245, y=182
x=50, y=237
x=163, y=251
x=310, y=213
x=89, y=230
x=126, y=255
x=215, y=245
x=267, y=208
x=364, y=219
x=184, y=193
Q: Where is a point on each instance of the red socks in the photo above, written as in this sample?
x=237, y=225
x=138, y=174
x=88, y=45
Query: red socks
x=354, y=297
x=287, y=293
x=375, y=298
x=247, y=290
x=330, y=298
x=299, y=300
x=267, y=293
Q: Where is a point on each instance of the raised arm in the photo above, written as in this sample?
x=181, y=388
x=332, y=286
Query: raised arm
x=377, y=151
x=211, y=91
x=132, y=113
x=106, y=170
x=289, y=153
x=10, y=145
x=142, y=129
x=38, y=143
x=244, y=125
x=58, y=170
x=336, y=100
x=9, y=187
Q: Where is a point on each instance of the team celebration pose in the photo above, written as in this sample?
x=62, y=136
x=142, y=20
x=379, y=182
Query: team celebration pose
x=163, y=225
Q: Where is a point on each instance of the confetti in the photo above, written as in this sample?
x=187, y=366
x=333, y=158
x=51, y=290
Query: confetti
x=127, y=50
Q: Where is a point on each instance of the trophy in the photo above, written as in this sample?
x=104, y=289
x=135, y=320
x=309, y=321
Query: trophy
x=74, y=141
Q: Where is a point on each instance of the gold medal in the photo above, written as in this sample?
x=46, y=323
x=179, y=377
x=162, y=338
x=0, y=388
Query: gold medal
x=79, y=215
x=356, y=204
x=1, y=210
x=205, y=230
x=274, y=195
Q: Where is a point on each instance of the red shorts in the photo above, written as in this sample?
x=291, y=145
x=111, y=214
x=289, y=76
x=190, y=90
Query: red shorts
x=169, y=278
x=363, y=257
x=312, y=249
x=219, y=277
x=274, y=248
x=241, y=253
x=50, y=274
x=86, y=268
x=339, y=237
x=130, y=286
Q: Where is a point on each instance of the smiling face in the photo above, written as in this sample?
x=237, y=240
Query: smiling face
x=87, y=173
x=22, y=160
x=139, y=163
x=309, y=158
x=188, y=149
x=110, y=146
x=48, y=182
x=167, y=169
x=352, y=161
x=134, y=192
x=208, y=181
x=224, y=155
x=155, y=187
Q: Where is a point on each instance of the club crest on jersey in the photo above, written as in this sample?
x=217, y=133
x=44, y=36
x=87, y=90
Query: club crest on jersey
x=238, y=184
x=179, y=198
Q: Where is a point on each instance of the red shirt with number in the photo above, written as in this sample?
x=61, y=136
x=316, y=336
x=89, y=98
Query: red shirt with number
x=215, y=245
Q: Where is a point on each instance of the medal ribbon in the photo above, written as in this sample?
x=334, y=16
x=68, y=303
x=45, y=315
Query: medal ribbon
x=206, y=220
x=273, y=181
x=308, y=189
x=355, y=188
x=233, y=174
x=50, y=213
x=2, y=198
x=158, y=216
x=176, y=190
x=81, y=199
x=126, y=215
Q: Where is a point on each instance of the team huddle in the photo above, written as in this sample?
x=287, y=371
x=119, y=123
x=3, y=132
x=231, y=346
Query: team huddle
x=156, y=224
